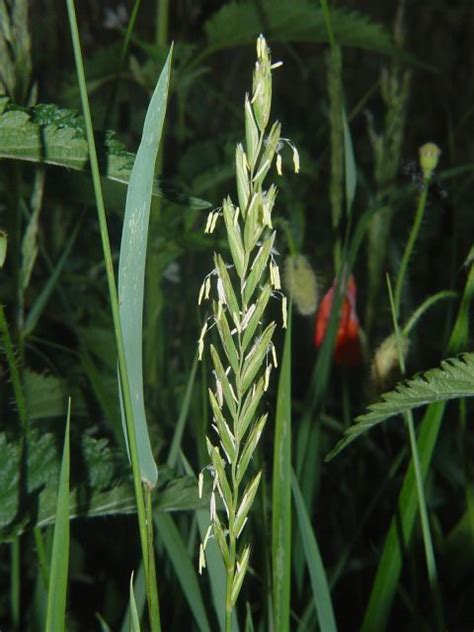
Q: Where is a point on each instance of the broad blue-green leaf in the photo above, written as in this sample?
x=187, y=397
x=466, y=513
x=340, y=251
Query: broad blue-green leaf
x=132, y=266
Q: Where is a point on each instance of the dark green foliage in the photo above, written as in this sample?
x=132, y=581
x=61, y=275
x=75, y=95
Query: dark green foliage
x=404, y=71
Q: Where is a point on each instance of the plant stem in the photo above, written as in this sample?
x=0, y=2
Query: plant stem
x=152, y=589
x=425, y=525
x=410, y=245
x=162, y=7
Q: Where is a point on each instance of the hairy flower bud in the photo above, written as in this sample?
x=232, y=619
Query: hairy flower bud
x=300, y=281
x=386, y=365
x=429, y=156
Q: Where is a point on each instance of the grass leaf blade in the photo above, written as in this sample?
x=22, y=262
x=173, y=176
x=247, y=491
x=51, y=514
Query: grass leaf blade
x=319, y=584
x=56, y=611
x=132, y=264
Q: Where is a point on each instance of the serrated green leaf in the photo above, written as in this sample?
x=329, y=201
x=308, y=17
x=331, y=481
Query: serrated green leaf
x=45, y=395
x=293, y=21
x=48, y=134
x=452, y=380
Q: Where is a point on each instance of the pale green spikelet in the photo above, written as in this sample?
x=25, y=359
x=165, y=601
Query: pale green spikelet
x=299, y=280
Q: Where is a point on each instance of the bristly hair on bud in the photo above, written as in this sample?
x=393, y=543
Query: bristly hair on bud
x=299, y=280
x=386, y=365
x=244, y=353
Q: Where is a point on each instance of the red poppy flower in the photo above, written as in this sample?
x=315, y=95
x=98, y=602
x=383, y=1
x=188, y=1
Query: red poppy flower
x=347, y=351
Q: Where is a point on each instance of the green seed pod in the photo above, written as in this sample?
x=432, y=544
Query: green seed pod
x=429, y=156
x=300, y=281
x=3, y=247
x=385, y=365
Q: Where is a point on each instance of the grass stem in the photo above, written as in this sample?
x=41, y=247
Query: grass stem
x=152, y=589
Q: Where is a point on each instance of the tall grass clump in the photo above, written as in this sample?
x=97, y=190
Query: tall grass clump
x=245, y=354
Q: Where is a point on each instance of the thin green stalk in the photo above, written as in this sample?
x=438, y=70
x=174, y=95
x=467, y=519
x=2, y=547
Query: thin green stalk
x=425, y=525
x=409, y=247
x=15, y=582
x=41, y=552
x=132, y=440
x=13, y=369
x=162, y=15
x=123, y=55
x=418, y=313
x=152, y=584
x=327, y=22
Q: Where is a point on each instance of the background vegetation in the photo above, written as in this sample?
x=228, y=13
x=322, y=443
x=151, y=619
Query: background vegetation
x=403, y=78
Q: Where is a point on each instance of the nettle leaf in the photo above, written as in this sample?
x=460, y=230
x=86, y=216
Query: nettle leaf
x=101, y=483
x=48, y=134
x=293, y=21
x=453, y=379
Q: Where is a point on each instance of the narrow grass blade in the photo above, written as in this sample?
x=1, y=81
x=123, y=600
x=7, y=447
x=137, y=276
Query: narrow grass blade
x=281, y=515
x=319, y=583
x=139, y=599
x=183, y=413
x=132, y=266
x=41, y=301
x=349, y=163
x=134, y=618
x=171, y=539
x=56, y=612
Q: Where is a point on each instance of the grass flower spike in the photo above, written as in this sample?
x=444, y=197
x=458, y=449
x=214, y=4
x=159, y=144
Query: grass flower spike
x=243, y=360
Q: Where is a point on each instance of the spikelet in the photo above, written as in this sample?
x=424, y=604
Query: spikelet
x=385, y=365
x=300, y=282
